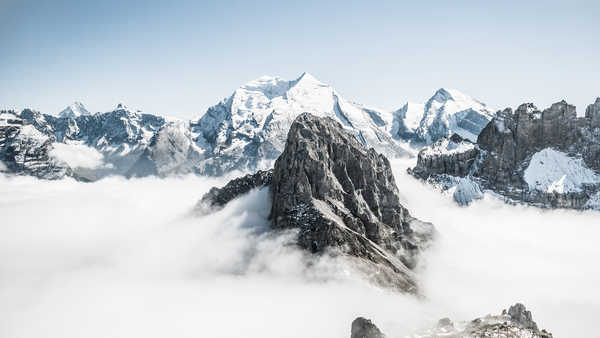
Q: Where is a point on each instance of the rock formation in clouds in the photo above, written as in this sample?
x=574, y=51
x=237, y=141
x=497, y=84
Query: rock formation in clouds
x=342, y=198
x=547, y=158
x=364, y=328
x=517, y=322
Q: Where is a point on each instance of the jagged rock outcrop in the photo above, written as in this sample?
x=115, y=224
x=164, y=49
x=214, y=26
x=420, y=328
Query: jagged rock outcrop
x=547, y=158
x=364, y=328
x=218, y=197
x=343, y=200
x=516, y=322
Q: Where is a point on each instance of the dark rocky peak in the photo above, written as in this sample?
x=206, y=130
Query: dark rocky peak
x=342, y=199
x=217, y=197
x=592, y=113
x=560, y=110
x=520, y=315
x=364, y=328
x=527, y=111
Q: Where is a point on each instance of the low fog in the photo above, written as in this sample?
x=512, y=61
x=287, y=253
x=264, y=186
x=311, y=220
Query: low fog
x=125, y=258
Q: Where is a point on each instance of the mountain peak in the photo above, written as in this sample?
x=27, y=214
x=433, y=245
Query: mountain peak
x=445, y=94
x=306, y=78
x=74, y=110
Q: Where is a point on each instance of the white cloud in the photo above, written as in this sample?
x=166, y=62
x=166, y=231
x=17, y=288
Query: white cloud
x=122, y=258
x=77, y=155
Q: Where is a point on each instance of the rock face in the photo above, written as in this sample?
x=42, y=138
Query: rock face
x=364, y=328
x=517, y=322
x=218, y=197
x=26, y=151
x=343, y=200
x=547, y=158
x=120, y=136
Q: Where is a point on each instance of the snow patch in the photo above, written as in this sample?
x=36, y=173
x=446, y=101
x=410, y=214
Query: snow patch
x=553, y=171
x=466, y=191
x=446, y=146
x=74, y=110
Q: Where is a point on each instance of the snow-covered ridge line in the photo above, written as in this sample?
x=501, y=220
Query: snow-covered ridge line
x=247, y=130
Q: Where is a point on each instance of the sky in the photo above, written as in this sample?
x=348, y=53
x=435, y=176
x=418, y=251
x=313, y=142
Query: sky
x=180, y=57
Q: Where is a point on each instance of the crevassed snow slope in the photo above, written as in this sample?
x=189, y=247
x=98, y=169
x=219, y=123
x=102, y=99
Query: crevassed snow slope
x=450, y=111
x=554, y=171
x=251, y=126
x=447, y=112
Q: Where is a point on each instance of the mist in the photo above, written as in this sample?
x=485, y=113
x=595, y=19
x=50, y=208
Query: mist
x=123, y=258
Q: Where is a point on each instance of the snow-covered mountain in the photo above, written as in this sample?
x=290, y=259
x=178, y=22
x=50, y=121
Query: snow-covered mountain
x=446, y=113
x=118, y=137
x=248, y=130
x=74, y=110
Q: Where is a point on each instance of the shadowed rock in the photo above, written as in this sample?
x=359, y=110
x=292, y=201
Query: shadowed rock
x=364, y=328
x=517, y=322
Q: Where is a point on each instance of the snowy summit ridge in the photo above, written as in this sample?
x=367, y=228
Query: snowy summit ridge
x=248, y=130
x=74, y=110
x=446, y=113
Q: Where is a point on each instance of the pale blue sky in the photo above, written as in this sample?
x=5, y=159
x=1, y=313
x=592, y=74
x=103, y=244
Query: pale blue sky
x=180, y=57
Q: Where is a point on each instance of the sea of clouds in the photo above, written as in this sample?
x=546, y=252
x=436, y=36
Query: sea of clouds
x=127, y=258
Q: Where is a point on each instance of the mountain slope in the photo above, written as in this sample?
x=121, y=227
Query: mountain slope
x=247, y=131
x=446, y=113
x=74, y=110
x=547, y=158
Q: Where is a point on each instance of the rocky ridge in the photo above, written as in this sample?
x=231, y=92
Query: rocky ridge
x=547, y=158
x=516, y=322
x=26, y=150
x=342, y=199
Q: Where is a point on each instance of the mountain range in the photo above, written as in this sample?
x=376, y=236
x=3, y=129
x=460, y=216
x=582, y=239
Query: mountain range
x=243, y=132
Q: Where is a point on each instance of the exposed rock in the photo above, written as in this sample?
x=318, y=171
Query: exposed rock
x=564, y=172
x=364, y=328
x=26, y=151
x=343, y=199
x=218, y=197
x=517, y=322
x=519, y=314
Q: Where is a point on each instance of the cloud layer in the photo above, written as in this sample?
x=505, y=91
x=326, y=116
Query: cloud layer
x=124, y=258
x=77, y=155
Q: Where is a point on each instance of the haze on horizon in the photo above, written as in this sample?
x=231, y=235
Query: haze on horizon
x=179, y=59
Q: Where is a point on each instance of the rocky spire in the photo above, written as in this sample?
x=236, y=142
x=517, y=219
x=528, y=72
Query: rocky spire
x=342, y=198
